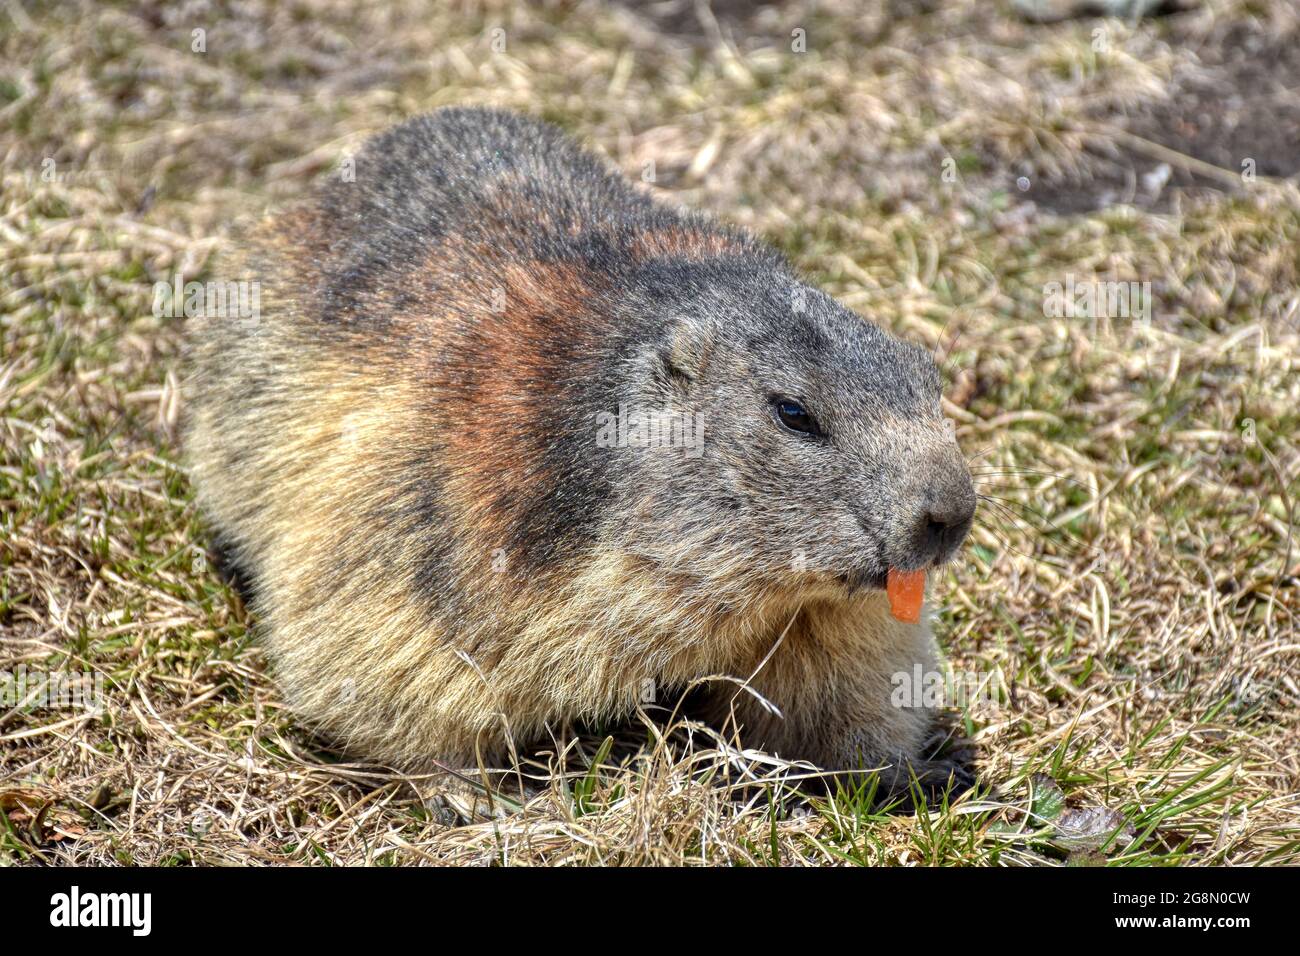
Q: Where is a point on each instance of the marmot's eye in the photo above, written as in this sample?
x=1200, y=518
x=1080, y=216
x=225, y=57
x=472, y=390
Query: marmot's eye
x=794, y=416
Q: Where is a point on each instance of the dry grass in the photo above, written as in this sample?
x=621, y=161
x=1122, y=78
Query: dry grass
x=1133, y=575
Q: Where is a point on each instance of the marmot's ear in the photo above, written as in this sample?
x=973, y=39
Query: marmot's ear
x=684, y=352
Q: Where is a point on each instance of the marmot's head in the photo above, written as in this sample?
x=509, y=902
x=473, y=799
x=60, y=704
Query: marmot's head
x=810, y=446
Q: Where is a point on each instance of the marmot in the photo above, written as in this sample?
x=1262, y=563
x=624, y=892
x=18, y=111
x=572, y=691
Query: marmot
x=510, y=442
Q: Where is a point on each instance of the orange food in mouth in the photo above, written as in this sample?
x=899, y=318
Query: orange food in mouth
x=906, y=590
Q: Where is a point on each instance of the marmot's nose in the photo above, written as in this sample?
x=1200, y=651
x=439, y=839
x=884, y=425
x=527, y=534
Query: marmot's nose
x=945, y=521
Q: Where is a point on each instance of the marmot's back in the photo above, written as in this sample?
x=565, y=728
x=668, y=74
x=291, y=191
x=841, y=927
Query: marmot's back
x=511, y=189
x=403, y=458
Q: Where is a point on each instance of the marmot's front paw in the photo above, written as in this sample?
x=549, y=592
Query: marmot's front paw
x=940, y=764
x=952, y=775
x=946, y=765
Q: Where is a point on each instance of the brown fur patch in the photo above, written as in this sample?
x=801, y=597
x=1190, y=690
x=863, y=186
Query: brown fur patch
x=518, y=331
